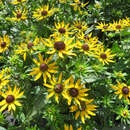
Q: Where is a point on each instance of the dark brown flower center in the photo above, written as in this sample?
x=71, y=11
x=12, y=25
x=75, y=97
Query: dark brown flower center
x=79, y=27
x=85, y=47
x=19, y=0
x=73, y=92
x=19, y=15
x=118, y=26
x=0, y=80
x=105, y=27
x=103, y=56
x=125, y=90
x=3, y=44
x=59, y=45
x=86, y=37
x=61, y=30
x=44, y=13
x=125, y=113
x=43, y=67
x=83, y=105
x=10, y=99
x=58, y=88
x=30, y=45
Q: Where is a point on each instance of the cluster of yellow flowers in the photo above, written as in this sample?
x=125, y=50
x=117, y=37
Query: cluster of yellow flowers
x=115, y=26
x=10, y=96
x=40, y=13
x=65, y=41
x=62, y=43
x=43, y=11
x=77, y=4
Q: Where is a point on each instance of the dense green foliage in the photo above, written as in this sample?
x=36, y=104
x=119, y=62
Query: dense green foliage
x=39, y=113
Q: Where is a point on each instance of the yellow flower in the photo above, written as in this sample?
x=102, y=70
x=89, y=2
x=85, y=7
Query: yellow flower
x=10, y=99
x=125, y=113
x=60, y=45
x=70, y=128
x=79, y=26
x=87, y=38
x=3, y=79
x=76, y=92
x=43, y=12
x=83, y=36
x=104, y=56
x=84, y=111
x=4, y=43
x=122, y=90
x=24, y=48
x=17, y=1
x=78, y=5
x=19, y=15
x=57, y=87
x=125, y=22
x=128, y=21
x=44, y=68
x=104, y=27
x=116, y=26
x=87, y=48
x=62, y=29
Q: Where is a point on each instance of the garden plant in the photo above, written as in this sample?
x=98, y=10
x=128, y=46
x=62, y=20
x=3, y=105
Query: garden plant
x=64, y=64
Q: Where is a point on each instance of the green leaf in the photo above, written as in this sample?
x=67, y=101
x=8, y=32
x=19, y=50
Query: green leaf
x=2, y=128
x=118, y=117
x=115, y=48
x=91, y=78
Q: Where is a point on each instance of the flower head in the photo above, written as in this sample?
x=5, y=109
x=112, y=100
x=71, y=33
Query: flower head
x=62, y=29
x=122, y=90
x=76, y=92
x=3, y=79
x=10, y=99
x=88, y=48
x=104, y=27
x=19, y=15
x=125, y=113
x=4, y=43
x=62, y=46
x=43, y=68
x=77, y=4
x=43, y=12
x=116, y=26
x=28, y=47
x=56, y=87
x=79, y=26
x=85, y=110
x=126, y=22
x=104, y=56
